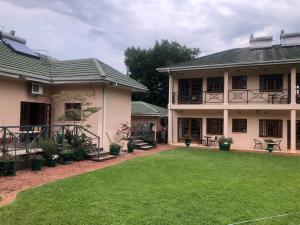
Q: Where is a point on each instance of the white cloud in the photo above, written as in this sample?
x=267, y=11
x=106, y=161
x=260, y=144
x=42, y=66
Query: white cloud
x=105, y=28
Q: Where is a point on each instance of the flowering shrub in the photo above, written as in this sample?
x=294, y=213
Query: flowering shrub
x=125, y=132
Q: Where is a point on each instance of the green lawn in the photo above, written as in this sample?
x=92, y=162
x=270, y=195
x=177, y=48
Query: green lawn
x=181, y=186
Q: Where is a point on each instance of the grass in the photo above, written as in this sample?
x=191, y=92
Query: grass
x=175, y=187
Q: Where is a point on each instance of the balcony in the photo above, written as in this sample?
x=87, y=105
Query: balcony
x=198, y=98
x=249, y=96
x=256, y=96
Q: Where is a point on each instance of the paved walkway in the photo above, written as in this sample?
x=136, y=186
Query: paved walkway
x=25, y=179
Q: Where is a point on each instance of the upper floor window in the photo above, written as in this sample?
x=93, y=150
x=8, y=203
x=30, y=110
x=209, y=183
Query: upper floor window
x=73, y=111
x=215, y=84
x=239, y=125
x=270, y=128
x=239, y=82
x=214, y=126
x=271, y=82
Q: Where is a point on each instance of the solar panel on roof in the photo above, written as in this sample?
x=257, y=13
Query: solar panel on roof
x=19, y=47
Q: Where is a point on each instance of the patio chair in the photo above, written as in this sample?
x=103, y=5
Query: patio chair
x=214, y=141
x=202, y=141
x=277, y=143
x=258, y=143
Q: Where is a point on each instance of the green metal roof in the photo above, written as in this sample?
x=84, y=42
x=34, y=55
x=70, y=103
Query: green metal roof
x=240, y=56
x=139, y=108
x=46, y=69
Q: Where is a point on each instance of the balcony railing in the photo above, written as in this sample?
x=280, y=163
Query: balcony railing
x=257, y=96
x=198, y=98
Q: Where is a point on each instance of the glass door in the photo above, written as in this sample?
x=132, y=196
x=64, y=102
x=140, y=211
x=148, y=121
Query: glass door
x=190, y=91
x=190, y=127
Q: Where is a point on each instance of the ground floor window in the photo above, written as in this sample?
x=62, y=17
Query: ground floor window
x=73, y=111
x=270, y=128
x=189, y=127
x=239, y=125
x=214, y=126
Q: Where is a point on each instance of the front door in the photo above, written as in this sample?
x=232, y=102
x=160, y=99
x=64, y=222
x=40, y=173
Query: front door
x=190, y=127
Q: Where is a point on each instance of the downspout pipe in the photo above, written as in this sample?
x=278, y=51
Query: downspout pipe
x=103, y=115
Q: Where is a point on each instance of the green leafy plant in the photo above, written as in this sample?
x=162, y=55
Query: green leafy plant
x=7, y=165
x=66, y=152
x=49, y=148
x=224, y=139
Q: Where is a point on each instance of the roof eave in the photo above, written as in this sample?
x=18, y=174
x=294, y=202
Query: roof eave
x=48, y=80
x=231, y=65
x=150, y=115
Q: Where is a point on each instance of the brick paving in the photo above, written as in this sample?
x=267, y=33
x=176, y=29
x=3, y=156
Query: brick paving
x=25, y=179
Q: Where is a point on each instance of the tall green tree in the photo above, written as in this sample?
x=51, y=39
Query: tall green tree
x=142, y=64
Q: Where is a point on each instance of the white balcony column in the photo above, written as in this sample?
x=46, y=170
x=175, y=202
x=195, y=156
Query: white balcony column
x=293, y=130
x=203, y=128
x=170, y=113
x=225, y=121
x=226, y=89
x=171, y=81
x=293, y=85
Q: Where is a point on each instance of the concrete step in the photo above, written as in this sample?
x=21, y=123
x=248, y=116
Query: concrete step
x=146, y=147
x=95, y=154
x=103, y=158
x=141, y=143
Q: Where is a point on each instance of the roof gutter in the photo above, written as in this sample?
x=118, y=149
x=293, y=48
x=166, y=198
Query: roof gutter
x=221, y=66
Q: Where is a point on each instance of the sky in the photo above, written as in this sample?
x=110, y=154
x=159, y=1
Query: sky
x=103, y=29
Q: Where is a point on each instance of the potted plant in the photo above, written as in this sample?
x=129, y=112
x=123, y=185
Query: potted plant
x=79, y=153
x=66, y=153
x=114, y=149
x=125, y=135
x=225, y=143
x=36, y=162
x=50, y=151
x=187, y=141
x=130, y=146
x=7, y=166
x=79, y=144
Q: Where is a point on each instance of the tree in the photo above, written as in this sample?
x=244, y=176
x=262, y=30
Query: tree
x=142, y=64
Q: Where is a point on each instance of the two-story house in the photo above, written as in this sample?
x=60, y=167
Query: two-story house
x=246, y=93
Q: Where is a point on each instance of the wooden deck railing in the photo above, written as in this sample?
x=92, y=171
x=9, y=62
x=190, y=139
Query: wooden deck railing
x=22, y=139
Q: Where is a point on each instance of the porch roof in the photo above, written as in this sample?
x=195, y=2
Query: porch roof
x=49, y=70
x=140, y=108
x=277, y=54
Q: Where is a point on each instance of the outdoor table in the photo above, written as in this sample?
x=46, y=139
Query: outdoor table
x=31, y=134
x=207, y=140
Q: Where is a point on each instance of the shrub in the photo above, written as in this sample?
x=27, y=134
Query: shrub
x=49, y=148
x=224, y=139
